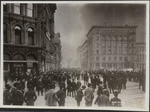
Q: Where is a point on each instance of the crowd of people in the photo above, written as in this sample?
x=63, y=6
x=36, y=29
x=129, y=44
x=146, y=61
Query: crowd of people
x=25, y=88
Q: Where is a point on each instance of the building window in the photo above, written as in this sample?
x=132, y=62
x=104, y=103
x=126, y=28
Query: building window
x=17, y=8
x=97, y=58
x=109, y=51
x=17, y=35
x=115, y=58
x=125, y=58
x=5, y=34
x=97, y=64
x=6, y=66
x=103, y=65
x=18, y=57
x=97, y=51
x=109, y=58
x=104, y=58
x=97, y=45
x=30, y=10
x=120, y=58
x=30, y=36
x=97, y=38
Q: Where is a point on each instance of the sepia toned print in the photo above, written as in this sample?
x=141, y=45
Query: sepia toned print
x=75, y=55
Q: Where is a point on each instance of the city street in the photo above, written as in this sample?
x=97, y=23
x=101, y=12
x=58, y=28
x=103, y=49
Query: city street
x=67, y=47
x=131, y=97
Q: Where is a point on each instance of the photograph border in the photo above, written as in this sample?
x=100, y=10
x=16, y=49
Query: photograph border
x=81, y=108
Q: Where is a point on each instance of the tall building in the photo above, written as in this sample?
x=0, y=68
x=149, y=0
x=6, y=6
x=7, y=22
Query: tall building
x=58, y=55
x=111, y=47
x=83, y=55
x=28, y=34
x=140, y=58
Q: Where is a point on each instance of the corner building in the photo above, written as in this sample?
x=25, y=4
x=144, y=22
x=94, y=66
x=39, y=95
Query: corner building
x=111, y=47
x=28, y=37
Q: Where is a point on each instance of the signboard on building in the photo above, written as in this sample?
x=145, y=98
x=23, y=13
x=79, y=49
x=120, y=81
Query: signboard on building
x=29, y=64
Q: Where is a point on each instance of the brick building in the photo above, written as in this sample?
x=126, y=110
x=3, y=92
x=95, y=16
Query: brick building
x=28, y=37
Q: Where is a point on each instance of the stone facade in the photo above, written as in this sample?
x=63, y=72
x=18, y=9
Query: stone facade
x=111, y=47
x=140, y=58
x=28, y=37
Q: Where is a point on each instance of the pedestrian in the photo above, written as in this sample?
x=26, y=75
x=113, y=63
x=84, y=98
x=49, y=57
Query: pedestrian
x=51, y=96
x=79, y=95
x=69, y=87
x=78, y=83
x=61, y=96
x=116, y=102
x=7, y=97
x=103, y=99
x=74, y=87
x=89, y=95
x=17, y=94
x=30, y=96
x=39, y=86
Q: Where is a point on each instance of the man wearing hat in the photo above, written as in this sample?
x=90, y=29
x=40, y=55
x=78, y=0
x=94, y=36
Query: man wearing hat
x=116, y=102
x=7, y=100
x=79, y=95
x=17, y=95
x=103, y=99
x=89, y=95
x=61, y=94
x=51, y=96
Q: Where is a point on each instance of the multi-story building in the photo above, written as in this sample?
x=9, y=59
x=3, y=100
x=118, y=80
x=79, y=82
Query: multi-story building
x=28, y=37
x=58, y=55
x=140, y=58
x=79, y=57
x=111, y=47
x=83, y=54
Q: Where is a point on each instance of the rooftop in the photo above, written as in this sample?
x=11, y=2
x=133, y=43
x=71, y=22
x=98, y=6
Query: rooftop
x=105, y=26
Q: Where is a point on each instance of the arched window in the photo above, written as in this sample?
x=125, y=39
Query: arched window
x=30, y=10
x=5, y=34
x=31, y=57
x=17, y=35
x=18, y=57
x=30, y=36
x=6, y=56
x=17, y=8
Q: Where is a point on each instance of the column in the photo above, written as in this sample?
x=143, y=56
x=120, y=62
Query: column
x=8, y=35
x=22, y=36
x=12, y=8
x=8, y=7
x=26, y=36
x=23, y=9
x=12, y=34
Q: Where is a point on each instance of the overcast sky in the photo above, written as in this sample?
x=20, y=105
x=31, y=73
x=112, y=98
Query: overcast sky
x=73, y=21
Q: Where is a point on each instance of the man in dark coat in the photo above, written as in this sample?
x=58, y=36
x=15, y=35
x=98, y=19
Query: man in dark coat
x=30, y=96
x=17, y=95
x=7, y=97
x=61, y=96
x=79, y=95
x=116, y=102
x=103, y=99
x=74, y=87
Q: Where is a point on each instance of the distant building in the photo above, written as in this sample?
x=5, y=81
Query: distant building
x=58, y=55
x=28, y=37
x=140, y=58
x=83, y=55
x=110, y=47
